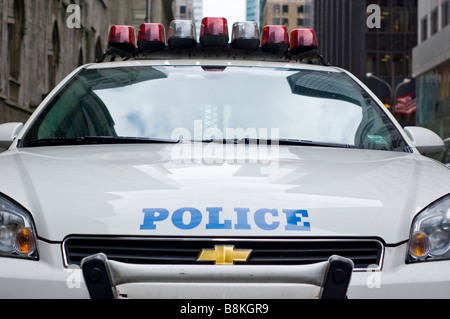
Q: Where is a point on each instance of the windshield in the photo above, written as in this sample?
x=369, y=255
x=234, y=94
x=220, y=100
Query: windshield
x=198, y=103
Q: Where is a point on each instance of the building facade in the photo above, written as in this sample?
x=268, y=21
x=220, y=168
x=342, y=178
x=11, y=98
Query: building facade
x=291, y=13
x=347, y=40
x=431, y=66
x=136, y=12
x=340, y=29
x=42, y=42
x=253, y=11
x=183, y=9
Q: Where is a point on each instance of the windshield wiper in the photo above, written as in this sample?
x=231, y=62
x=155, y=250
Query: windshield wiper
x=86, y=140
x=288, y=142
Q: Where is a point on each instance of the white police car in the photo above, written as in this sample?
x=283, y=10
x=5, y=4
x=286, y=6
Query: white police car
x=219, y=170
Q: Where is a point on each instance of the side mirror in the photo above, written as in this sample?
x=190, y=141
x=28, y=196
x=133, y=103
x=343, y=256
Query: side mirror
x=8, y=132
x=425, y=140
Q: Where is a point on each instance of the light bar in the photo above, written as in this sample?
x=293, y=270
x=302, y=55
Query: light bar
x=151, y=37
x=275, y=44
x=245, y=35
x=275, y=39
x=214, y=32
x=181, y=34
x=122, y=38
x=303, y=40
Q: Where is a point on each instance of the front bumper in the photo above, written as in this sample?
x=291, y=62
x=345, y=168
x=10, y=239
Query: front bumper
x=48, y=278
x=397, y=280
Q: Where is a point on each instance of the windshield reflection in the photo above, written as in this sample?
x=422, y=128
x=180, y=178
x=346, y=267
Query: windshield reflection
x=154, y=102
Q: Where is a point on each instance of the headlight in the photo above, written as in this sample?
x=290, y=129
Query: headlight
x=17, y=233
x=430, y=233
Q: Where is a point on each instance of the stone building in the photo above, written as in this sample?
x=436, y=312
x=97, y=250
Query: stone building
x=291, y=13
x=42, y=41
x=136, y=12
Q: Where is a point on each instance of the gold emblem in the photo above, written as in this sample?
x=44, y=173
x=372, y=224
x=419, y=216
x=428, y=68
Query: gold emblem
x=224, y=255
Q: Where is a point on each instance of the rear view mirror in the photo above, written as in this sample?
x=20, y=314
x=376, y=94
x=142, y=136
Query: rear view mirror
x=425, y=140
x=8, y=132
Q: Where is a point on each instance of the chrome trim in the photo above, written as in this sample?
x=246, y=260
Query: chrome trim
x=225, y=239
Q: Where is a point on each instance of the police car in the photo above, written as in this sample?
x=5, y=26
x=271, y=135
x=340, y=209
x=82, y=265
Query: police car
x=219, y=169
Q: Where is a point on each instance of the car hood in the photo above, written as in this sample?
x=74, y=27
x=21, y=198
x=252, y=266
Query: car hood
x=187, y=190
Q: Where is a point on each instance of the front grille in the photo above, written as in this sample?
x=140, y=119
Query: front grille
x=364, y=253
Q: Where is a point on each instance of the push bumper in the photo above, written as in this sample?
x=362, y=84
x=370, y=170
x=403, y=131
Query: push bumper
x=103, y=276
x=49, y=279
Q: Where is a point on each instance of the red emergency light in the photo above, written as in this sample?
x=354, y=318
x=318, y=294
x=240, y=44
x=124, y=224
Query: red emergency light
x=151, y=37
x=214, y=32
x=275, y=38
x=122, y=38
x=303, y=40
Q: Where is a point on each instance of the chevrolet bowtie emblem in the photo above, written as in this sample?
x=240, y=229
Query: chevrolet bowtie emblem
x=224, y=255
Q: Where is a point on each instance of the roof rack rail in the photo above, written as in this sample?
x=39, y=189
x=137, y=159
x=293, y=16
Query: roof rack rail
x=312, y=56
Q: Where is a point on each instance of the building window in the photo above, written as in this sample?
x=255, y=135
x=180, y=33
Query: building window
x=300, y=8
x=411, y=20
x=434, y=22
x=371, y=63
x=300, y=22
x=276, y=21
x=307, y=9
x=98, y=49
x=424, y=28
x=308, y=23
x=276, y=8
x=398, y=3
x=80, y=57
x=182, y=9
x=285, y=22
x=445, y=9
x=397, y=21
x=285, y=9
x=53, y=56
x=385, y=64
x=399, y=64
x=15, y=39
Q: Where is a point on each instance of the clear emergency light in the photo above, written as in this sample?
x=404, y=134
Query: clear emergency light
x=182, y=34
x=245, y=36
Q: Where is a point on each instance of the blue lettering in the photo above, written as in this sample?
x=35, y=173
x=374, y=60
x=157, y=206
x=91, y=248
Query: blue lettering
x=188, y=218
x=214, y=219
x=242, y=218
x=153, y=215
x=294, y=220
x=260, y=219
x=177, y=218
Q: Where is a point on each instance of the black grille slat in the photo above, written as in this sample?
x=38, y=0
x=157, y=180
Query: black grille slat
x=186, y=251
